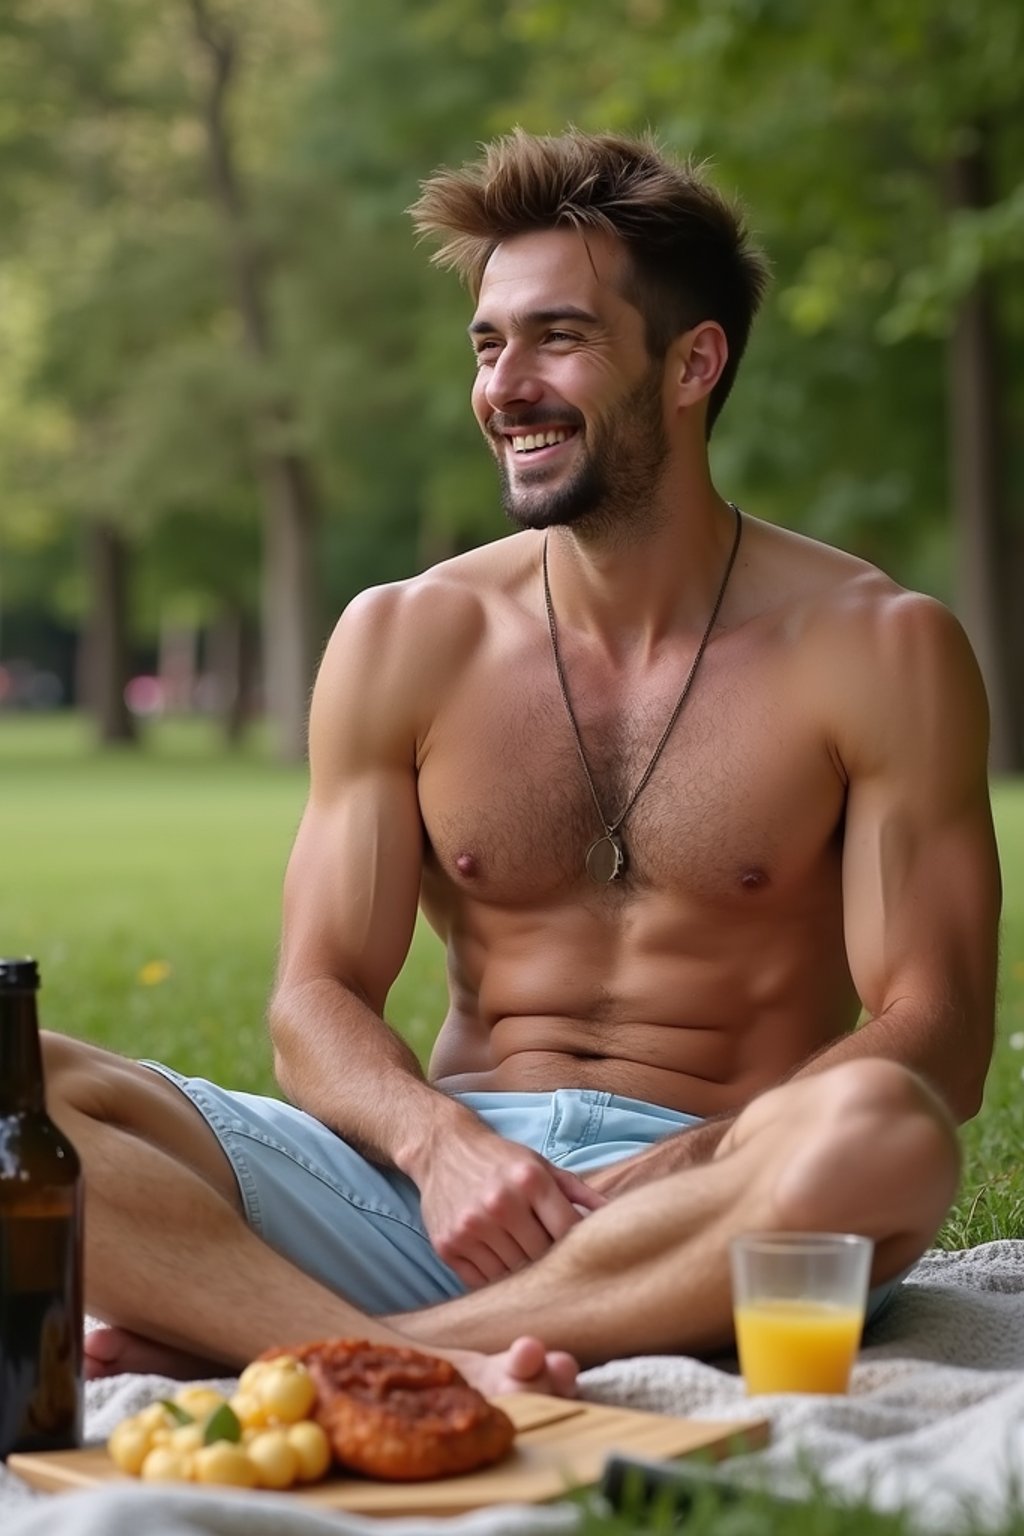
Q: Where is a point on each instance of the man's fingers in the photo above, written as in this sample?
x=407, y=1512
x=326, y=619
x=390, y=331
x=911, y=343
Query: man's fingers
x=577, y=1191
x=481, y=1260
x=472, y=1277
x=558, y=1207
x=552, y=1201
x=532, y=1236
x=507, y=1216
x=488, y=1246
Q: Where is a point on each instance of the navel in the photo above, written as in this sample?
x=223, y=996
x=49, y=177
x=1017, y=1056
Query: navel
x=753, y=879
x=467, y=865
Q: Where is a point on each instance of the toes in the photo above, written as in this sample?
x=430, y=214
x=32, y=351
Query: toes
x=563, y=1370
x=103, y=1344
x=526, y=1358
x=551, y=1371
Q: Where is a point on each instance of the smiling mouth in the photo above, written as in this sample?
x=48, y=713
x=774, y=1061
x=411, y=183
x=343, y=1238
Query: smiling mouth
x=530, y=442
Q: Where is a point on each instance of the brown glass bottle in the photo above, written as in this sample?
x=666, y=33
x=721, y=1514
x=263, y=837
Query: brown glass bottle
x=41, y=1317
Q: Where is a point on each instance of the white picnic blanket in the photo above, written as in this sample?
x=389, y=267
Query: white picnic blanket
x=934, y=1422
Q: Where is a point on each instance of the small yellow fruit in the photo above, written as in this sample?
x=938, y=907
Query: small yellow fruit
x=164, y=1465
x=224, y=1462
x=199, y=1401
x=312, y=1447
x=186, y=1439
x=252, y=1373
x=155, y=1416
x=249, y=1410
x=276, y=1462
x=129, y=1446
x=288, y=1392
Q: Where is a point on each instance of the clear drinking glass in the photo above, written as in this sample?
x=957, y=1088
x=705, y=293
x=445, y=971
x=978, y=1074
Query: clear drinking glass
x=798, y=1306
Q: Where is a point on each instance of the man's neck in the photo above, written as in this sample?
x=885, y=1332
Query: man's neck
x=632, y=592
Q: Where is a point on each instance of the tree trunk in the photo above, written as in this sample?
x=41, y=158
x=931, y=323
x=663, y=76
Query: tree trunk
x=231, y=661
x=290, y=587
x=982, y=547
x=288, y=599
x=105, y=671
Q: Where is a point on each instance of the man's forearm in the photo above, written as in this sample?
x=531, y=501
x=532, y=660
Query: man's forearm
x=337, y=1059
x=897, y=1035
x=939, y=1045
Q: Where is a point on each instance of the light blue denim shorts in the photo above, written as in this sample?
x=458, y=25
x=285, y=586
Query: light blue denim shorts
x=354, y=1225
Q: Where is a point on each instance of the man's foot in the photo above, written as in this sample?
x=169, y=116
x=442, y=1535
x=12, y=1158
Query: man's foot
x=110, y=1351
x=526, y=1366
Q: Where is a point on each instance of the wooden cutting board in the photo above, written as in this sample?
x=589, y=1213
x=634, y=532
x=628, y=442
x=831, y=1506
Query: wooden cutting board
x=560, y=1445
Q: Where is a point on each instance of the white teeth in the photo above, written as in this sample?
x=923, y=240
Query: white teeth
x=531, y=440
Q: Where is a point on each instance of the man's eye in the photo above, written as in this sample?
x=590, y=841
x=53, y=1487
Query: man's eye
x=485, y=349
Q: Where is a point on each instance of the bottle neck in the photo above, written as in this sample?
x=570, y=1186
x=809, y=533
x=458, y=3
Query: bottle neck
x=21, y=1058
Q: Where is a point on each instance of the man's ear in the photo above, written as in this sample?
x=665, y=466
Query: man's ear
x=698, y=357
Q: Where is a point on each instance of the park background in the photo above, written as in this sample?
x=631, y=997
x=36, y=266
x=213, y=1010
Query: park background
x=233, y=393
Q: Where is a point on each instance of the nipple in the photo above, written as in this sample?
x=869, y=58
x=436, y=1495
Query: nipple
x=466, y=865
x=753, y=879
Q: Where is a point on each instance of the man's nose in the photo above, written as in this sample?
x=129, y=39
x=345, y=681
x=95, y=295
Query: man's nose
x=512, y=381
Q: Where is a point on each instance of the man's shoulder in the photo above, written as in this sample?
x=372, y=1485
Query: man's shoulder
x=897, y=675
x=874, y=660
x=830, y=591
x=489, y=571
x=414, y=636
x=459, y=589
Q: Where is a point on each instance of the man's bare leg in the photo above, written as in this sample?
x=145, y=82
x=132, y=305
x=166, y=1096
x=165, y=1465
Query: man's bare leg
x=170, y=1260
x=864, y=1147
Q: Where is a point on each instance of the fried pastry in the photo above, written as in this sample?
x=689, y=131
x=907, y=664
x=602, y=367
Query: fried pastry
x=399, y=1414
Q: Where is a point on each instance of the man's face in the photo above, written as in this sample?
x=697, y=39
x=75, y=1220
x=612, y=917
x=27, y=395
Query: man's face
x=566, y=393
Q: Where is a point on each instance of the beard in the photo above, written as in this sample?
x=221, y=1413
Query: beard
x=614, y=484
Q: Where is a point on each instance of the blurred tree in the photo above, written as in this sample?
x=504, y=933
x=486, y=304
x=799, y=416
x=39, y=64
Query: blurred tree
x=137, y=333
x=103, y=212
x=188, y=361
x=395, y=99
x=881, y=146
x=290, y=588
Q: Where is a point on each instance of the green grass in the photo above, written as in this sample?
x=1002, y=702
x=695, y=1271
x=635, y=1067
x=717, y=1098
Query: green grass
x=148, y=886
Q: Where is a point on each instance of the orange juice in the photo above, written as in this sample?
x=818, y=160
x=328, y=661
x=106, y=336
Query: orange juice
x=797, y=1346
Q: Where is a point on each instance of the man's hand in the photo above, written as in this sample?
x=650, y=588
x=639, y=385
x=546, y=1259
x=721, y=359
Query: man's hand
x=491, y=1206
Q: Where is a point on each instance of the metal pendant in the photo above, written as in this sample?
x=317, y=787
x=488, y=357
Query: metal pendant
x=606, y=859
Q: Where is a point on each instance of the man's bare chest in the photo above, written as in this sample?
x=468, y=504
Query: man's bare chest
x=743, y=801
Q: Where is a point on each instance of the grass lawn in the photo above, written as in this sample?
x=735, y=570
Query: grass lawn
x=148, y=886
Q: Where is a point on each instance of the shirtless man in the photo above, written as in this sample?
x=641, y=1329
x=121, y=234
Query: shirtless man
x=683, y=793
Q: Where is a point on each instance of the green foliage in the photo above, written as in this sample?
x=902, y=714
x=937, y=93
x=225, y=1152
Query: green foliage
x=127, y=392
x=716, y=1507
x=837, y=125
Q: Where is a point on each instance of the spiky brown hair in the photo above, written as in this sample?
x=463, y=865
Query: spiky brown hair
x=691, y=258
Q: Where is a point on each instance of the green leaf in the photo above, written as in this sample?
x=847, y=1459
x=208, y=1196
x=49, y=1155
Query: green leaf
x=222, y=1424
x=177, y=1413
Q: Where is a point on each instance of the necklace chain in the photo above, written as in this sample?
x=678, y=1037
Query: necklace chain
x=611, y=828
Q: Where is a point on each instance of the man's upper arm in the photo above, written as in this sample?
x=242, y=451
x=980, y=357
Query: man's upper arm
x=920, y=870
x=352, y=884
